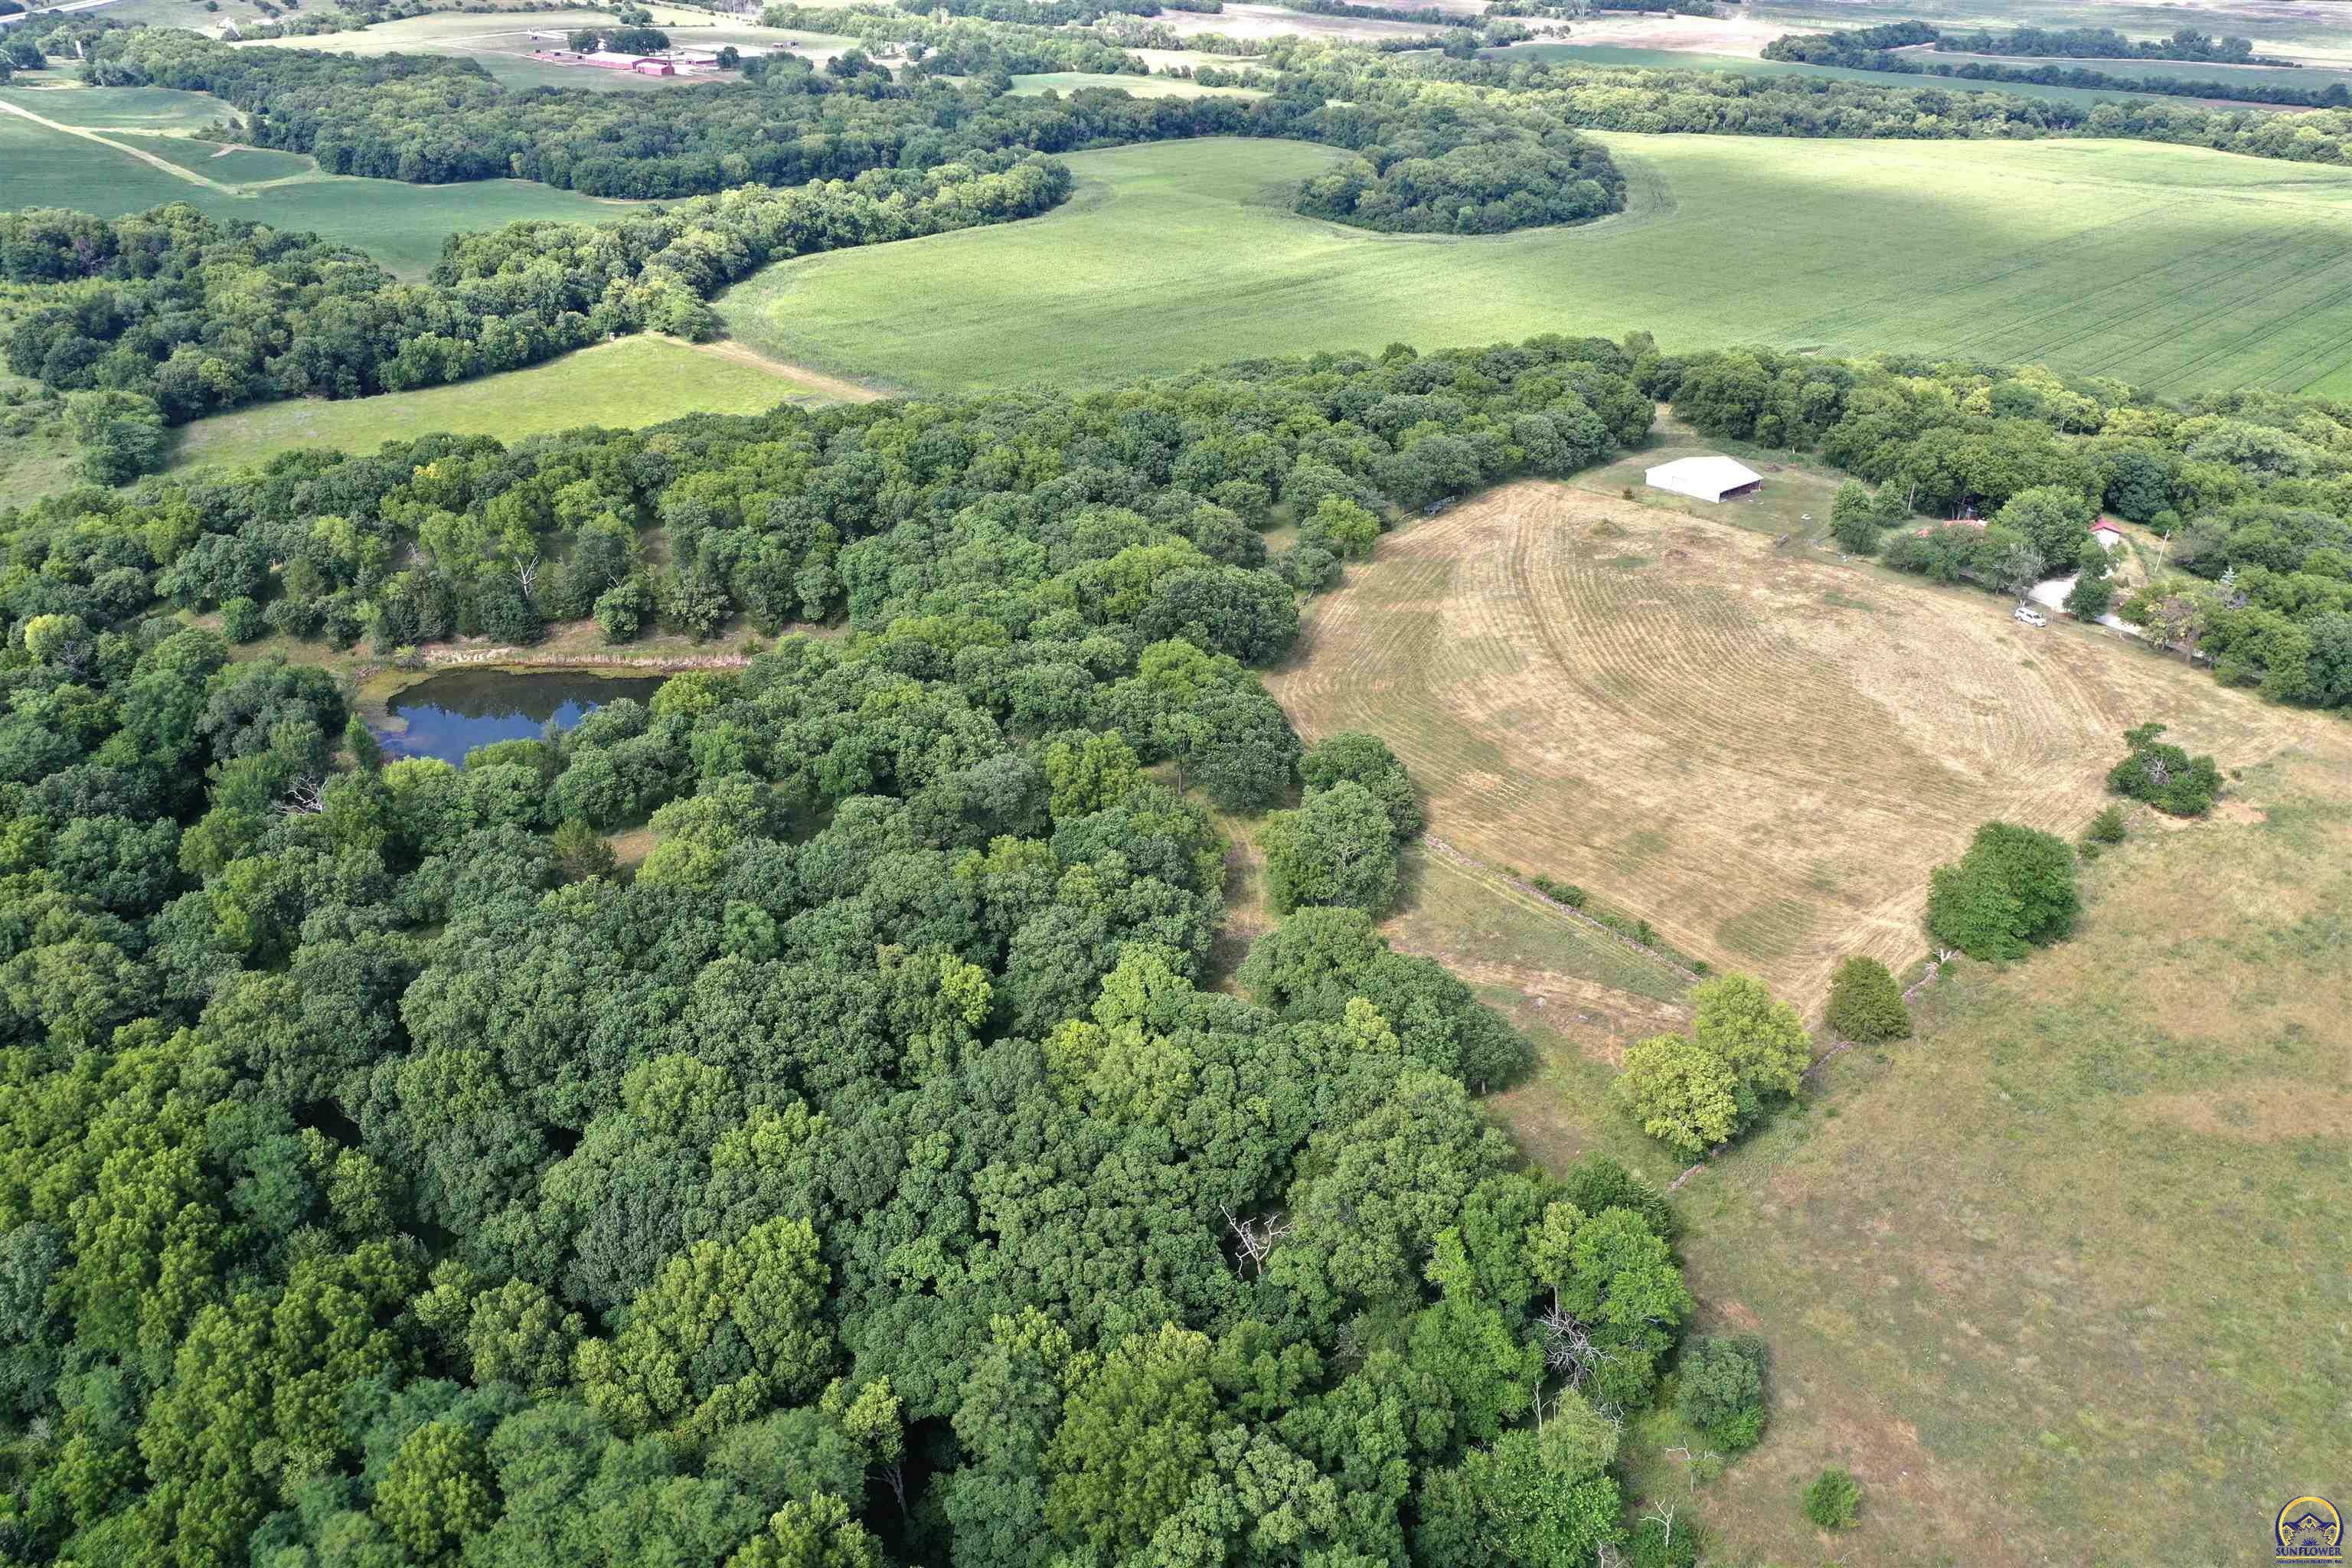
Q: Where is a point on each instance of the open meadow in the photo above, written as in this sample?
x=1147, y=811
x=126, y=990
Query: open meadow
x=623, y=384
x=2175, y=267
x=1761, y=753
x=111, y=151
x=2057, y=1278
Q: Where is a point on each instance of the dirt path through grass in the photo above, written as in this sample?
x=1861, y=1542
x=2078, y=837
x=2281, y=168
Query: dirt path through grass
x=832, y=386
x=149, y=158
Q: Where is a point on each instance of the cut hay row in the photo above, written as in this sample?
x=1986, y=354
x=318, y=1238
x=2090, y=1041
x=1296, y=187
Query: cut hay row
x=1685, y=721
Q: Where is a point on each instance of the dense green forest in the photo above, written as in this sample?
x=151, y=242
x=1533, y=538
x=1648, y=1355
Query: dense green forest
x=1892, y=48
x=197, y=315
x=2251, y=489
x=385, y=1180
x=1438, y=157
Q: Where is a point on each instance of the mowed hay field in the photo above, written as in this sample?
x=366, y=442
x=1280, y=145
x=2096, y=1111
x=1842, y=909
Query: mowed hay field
x=2062, y=1278
x=1760, y=754
x=2175, y=267
x=623, y=384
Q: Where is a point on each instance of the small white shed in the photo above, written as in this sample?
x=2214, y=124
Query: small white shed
x=1707, y=479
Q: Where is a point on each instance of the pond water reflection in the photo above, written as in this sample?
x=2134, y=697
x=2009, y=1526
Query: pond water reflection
x=452, y=713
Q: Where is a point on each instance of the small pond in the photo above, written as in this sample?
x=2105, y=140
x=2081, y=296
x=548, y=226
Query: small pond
x=450, y=714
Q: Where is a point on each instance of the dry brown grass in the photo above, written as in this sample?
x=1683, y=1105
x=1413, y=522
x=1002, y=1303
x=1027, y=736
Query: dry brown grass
x=1761, y=753
x=2061, y=1279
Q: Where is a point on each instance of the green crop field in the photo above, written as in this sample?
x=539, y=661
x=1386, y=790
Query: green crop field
x=630, y=382
x=401, y=225
x=2321, y=77
x=54, y=96
x=1066, y=82
x=2170, y=266
x=2311, y=30
x=1683, y=60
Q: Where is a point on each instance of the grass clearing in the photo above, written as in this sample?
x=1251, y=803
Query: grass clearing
x=2175, y=267
x=628, y=383
x=2057, y=1279
x=1717, y=739
x=402, y=226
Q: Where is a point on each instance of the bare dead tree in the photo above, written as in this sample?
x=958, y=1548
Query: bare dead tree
x=1664, y=1514
x=1253, y=1240
x=306, y=798
x=1568, y=1346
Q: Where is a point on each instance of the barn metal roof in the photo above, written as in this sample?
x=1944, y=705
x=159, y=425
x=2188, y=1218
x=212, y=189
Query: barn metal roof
x=1713, y=474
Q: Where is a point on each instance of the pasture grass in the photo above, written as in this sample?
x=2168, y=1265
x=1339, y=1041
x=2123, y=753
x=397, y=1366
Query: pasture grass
x=625, y=384
x=2178, y=269
x=402, y=226
x=53, y=95
x=1761, y=751
x=2057, y=1279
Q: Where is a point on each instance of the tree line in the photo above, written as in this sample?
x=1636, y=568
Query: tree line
x=868, y=1175
x=195, y=314
x=1892, y=48
x=2106, y=43
x=2251, y=489
x=1730, y=103
x=1435, y=157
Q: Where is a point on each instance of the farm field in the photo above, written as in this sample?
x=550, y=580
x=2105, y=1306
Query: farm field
x=2276, y=76
x=2175, y=267
x=2314, y=31
x=1066, y=82
x=501, y=42
x=632, y=382
x=402, y=226
x=2043, y=1276
x=1680, y=59
x=1761, y=753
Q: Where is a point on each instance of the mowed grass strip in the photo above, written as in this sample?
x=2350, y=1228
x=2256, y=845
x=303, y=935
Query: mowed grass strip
x=2173, y=268
x=625, y=384
x=1761, y=753
x=2060, y=1279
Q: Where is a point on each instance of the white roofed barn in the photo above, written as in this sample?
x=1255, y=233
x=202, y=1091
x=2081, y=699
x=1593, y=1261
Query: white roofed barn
x=1707, y=479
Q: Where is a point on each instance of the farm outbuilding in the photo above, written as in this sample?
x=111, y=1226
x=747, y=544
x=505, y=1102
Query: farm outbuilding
x=2106, y=533
x=1706, y=479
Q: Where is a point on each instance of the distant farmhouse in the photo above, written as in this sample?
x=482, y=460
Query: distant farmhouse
x=1714, y=478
